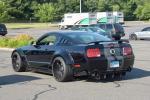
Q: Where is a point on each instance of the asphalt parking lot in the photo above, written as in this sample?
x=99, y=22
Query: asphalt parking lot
x=129, y=28
x=36, y=86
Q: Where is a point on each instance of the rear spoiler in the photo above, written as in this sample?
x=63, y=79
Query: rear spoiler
x=97, y=42
x=119, y=41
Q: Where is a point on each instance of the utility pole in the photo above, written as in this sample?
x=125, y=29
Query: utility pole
x=80, y=6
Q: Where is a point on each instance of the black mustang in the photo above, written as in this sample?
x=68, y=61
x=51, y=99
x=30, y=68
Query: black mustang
x=67, y=54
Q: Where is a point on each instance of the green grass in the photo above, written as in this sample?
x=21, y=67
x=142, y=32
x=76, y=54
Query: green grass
x=29, y=25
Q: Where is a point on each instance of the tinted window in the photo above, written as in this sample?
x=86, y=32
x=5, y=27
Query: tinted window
x=109, y=26
x=118, y=27
x=2, y=27
x=48, y=40
x=93, y=29
x=146, y=29
x=102, y=26
x=87, y=37
x=83, y=29
x=65, y=41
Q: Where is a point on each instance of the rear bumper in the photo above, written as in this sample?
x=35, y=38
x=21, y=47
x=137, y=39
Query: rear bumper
x=102, y=65
x=3, y=32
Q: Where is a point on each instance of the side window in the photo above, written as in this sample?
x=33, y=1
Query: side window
x=109, y=26
x=83, y=29
x=118, y=27
x=102, y=26
x=146, y=29
x=49, y=40
x=65, y=41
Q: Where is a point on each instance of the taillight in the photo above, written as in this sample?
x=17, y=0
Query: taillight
x=93, y=52
x=127, y=51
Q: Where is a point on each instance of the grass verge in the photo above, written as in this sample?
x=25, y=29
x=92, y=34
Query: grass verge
x=29, y=25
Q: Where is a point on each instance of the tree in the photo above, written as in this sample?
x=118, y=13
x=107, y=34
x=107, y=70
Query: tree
x=146, y=11
x=53, y=10
x=143, y=11
x=72, y=6
x=20, y=9
x=46, y=12
x=3, y=12
x=90, y=5
x=104, y=5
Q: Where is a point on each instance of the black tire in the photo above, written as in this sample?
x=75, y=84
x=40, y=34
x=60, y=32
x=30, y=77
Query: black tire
x=17, y=63
x=133, y=37
x=61, y=71
x=3, y=34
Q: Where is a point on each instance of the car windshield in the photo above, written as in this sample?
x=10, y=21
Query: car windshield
x=87, y=37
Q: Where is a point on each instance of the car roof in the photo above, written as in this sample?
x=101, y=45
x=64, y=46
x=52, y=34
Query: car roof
x=67, y=32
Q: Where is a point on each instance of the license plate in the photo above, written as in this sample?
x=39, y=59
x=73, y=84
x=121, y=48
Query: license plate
x=114, y=64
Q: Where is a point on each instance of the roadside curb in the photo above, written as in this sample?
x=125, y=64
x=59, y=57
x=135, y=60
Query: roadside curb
x=7, y=49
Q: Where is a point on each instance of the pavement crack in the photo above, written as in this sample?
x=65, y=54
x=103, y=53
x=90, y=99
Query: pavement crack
x=117, y=84
x=137, y=83
x=44, y=91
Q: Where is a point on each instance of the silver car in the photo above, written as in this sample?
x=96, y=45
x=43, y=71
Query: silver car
x=144, y=34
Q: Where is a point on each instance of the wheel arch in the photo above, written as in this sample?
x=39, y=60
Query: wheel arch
x=22, y=55
x=66, y=56
x=134, y=34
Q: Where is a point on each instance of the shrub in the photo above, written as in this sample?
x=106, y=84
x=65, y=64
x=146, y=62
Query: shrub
x=18, y=41
x=22, y=37
x=23, y=43
x=12, y=43
x=3, y=41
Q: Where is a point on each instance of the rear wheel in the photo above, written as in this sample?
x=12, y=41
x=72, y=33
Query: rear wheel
x=133, y=37
x=18, y=64
x=3, y=34
x=61, y=71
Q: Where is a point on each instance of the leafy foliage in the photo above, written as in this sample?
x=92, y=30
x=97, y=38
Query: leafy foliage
x=3, y=12
x=143, y=11
x=53, y=10
x=46, y=12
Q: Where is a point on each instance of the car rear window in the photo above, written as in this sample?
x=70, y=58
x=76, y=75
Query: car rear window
x=2, y=27
x=118, y=27
x=102, y=26
x=109, y=26
x=87, y=37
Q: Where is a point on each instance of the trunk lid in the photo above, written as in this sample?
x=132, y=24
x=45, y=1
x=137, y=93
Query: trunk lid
x=107, y=49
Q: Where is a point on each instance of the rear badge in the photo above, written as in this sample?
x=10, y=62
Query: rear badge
x=112, y=51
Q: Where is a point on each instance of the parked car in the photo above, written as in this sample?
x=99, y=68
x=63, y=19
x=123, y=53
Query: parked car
x=3, y=29
x=66, y=54
x=143, y=34
x=93, y=29
x=115, y=29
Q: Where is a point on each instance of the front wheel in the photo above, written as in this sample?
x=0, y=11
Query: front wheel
x=18, y=64
x=133, y=37
x=61, y=71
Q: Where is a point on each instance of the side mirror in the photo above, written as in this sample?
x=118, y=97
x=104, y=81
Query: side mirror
x=33, y=43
